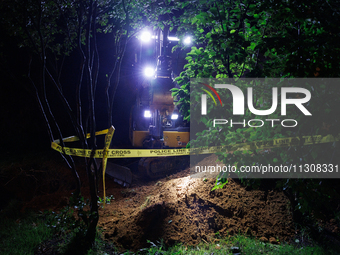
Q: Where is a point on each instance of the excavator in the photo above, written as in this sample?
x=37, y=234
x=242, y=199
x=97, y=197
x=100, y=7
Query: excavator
x=155, y=121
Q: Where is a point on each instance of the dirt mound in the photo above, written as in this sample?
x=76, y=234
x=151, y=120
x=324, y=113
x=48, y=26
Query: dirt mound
x=184, y=209
x=176, y=209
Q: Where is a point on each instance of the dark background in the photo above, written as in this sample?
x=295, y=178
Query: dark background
x=23, y=128
x=22, y=125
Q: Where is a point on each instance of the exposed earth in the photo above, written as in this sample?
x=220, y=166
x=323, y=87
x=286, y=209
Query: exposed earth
x=183, y=209
x=176, y=209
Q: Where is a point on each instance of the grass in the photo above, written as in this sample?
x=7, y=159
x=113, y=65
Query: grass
x=146, y=203
x=22, y=234
x=237, y=244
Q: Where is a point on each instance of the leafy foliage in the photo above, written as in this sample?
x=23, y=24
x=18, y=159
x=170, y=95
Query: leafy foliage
x=266, y=39
x=71, y=224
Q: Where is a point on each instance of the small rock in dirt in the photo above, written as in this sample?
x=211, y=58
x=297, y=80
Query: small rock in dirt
x=263, y=239
x=272, y=240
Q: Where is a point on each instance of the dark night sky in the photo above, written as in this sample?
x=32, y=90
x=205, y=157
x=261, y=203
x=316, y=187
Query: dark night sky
x=22, y=126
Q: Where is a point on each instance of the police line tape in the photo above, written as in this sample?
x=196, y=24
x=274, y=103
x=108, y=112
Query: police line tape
x=141, y=153
x=106, y=153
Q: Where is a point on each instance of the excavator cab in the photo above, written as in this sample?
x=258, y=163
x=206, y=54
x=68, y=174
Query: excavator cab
x=155, y=121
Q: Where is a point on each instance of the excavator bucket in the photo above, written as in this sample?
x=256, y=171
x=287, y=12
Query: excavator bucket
x=120, y=174
x=162, y=166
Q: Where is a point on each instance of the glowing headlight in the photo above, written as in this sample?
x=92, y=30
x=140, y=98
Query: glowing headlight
x=173, y=38
x=147, y=114
x=145, y=36
x=174, y=116
x=149, y=72
x=187, y=40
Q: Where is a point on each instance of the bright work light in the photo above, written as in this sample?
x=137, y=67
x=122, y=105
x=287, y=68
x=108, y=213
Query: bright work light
x=173, y=38
x=187, y=40
x=174, y=116
x=149, y=71
x=145, y=36
x=147, y=114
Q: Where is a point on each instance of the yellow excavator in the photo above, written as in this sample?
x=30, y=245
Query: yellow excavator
x=155, y=121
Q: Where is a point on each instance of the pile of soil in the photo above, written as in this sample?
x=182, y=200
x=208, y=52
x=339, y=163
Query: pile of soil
x=177, y=208
x=184, y=209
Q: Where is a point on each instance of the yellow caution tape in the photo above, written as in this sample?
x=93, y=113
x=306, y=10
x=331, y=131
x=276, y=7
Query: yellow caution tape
x=108, y=139
x=76, y=138
x=106, y=153
x=141, y=153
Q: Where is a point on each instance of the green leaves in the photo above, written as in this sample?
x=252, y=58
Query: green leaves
x=265, y=39
x=221, y=180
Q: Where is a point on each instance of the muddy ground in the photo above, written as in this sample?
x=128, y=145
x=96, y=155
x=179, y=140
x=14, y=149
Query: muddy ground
x=184, y=210
x=176, y=209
